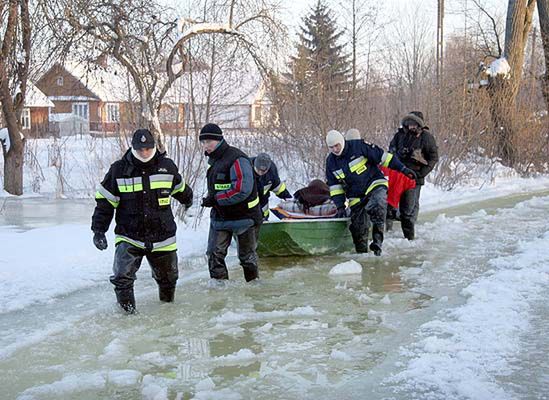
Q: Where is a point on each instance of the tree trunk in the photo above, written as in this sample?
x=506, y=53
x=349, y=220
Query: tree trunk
x=503, y=90
x=13, y=169
x=543, y=12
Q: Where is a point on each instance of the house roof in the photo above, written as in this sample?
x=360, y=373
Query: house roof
x=108, y=84
x=34, y=97
x=236, y=87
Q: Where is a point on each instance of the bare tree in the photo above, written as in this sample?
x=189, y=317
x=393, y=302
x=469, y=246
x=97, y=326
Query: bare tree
x=503, y=88
x=543, y=12
x=14, y=71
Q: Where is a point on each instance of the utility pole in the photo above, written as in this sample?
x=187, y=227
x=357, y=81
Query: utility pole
x=440, y=42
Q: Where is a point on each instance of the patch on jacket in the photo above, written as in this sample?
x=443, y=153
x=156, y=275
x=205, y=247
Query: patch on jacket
x=162, y=170
x=164, y=192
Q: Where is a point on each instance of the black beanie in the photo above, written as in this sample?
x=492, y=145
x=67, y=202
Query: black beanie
x=211, y=131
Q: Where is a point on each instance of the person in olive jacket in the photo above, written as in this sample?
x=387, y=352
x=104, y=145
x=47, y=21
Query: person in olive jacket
x=416, y=147
x=138, y=189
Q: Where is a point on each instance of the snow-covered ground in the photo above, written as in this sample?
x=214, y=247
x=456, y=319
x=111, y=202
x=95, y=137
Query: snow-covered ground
x=479, y=274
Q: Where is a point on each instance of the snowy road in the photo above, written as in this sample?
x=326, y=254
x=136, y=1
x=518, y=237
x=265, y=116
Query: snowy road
x=458, y=314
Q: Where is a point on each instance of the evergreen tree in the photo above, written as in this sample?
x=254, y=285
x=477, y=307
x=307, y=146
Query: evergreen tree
x=321, y=63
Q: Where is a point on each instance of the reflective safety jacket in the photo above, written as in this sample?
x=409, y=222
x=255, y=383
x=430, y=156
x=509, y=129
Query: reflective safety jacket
x=355, y=172
x=140, y=194
x=231, y=180
x=267, y=183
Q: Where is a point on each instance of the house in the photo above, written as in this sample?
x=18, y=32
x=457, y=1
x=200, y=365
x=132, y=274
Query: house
x=99, y=100
x=239, y=102
x=93, y=98
x=35, y=114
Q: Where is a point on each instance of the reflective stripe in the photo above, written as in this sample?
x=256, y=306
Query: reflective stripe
x=280, y=188
x=222, y=186
x=386, y=159
x=169, y=244
x=253, y=203
x=358, y=165
x=178, y=188
x=164, y=201
x=129, y=185
x=266, y=188
x=336, y=190
x=376, y=183
x=354, y=201
x=161, y=181
x=103, y=193
x=339, y=174
x=266, y=213
x=165, y=245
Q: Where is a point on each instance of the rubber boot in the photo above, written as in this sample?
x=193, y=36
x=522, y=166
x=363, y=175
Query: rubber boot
x=166, y=294
x=126, y=300
x=408, y=229
x=361, y=244
x=377, y=236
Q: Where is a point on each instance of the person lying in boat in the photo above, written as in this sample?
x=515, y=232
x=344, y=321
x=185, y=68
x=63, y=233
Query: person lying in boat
x=310, y=202
x=268, y=180
x=352, y=173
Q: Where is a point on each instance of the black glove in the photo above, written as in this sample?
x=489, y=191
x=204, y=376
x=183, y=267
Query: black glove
x=208, y=201
x=341, y=213
x=100, y=241
x=410, y=173
x=285, y=195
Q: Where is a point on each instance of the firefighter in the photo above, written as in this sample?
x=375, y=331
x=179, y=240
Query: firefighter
x=232, y=196
x=268, y=180
x=352, y=173
x=137, y=191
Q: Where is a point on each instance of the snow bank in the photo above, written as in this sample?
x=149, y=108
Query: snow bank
x=348, y=267
x=459, y=355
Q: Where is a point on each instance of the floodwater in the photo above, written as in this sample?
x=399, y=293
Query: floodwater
x=299, y=333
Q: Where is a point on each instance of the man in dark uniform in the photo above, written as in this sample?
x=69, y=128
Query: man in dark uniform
x=416, y=147
x=232, y=195
x=139, y=188
x=268, y=180
x=352, y=172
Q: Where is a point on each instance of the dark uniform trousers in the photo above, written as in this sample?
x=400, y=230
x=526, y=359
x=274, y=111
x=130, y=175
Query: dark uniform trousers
x=218, y=244
x=371, y=211
x=409, y=209
x=127, y=260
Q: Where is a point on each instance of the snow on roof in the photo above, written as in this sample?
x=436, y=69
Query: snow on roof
x=499, y=67
x=34, y=97
x=232, y=86
x=108, y=84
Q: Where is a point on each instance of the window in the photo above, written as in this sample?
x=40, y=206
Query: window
x=26, y=119
x=113, y=112
x=59, y=81
x=80, y=109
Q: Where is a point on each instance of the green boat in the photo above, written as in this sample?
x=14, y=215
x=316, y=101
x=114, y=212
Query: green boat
x=304, y=237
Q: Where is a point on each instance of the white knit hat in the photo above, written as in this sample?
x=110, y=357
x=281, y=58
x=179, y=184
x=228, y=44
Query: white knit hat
x=334, y=137
x=352, y=134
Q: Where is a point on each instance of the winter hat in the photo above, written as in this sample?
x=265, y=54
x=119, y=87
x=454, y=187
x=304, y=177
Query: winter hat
x=334, y=137
x=352, y=134
x=211, y=131
x=413, y=117
x=418, y=114
x=262, y=162
x=142, y=139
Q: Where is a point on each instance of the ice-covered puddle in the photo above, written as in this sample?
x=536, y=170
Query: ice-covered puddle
x=302, y=332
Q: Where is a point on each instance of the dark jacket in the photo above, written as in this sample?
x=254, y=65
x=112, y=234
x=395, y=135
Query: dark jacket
x=267, y=183
x=231, y=181
x=417, y=152
x=140, y=193
x=355, y=172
